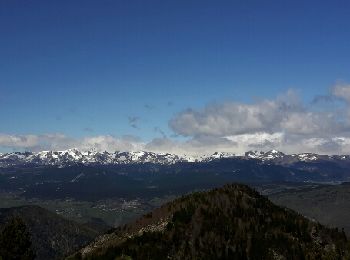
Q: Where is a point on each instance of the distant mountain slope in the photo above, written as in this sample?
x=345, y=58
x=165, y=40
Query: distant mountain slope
x=233, y=222
x=74, y=156
x=53, y=237
x=330, y=204
x=147, y=180
x=134, y=167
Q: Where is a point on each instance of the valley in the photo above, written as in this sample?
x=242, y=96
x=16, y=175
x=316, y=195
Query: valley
x=104, y=196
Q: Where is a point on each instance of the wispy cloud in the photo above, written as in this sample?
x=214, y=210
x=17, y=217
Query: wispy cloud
x=18, y=141
x=149, y=107
x=133, y=121
x=159, y=130
x=341, y=91
x=89, y=129
x=61, y=142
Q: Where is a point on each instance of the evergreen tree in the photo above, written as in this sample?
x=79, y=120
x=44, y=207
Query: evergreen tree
x=15, y=241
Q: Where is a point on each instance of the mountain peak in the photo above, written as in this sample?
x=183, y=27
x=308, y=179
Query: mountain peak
x=232, y=222
x=269, y=155
x=92, y=157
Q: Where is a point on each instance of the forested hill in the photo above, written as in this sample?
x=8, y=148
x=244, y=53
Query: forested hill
x=233, y=222
x=52, y=236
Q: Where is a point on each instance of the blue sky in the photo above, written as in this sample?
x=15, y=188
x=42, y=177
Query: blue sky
x=90, y=68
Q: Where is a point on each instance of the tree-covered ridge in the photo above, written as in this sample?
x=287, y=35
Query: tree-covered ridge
x=15, y=241
x=52, y=236
x=233, y=222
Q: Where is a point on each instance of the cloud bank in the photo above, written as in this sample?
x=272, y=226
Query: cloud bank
x=284, y=123
x=61, y=142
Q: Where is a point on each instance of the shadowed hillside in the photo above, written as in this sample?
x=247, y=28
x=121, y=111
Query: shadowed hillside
x=327, y=204
x=233, y=222
x=53, y=237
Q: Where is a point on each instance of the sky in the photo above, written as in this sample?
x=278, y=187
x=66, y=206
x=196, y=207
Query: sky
x=175, y=76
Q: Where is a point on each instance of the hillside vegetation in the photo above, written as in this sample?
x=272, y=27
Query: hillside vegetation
x=233, y=222
x=52, y=236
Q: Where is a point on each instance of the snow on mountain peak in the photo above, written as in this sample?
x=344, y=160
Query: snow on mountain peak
x=74, y=156
x=307, y=157
x=219, y=155
x=92, y=157
x=270, y=155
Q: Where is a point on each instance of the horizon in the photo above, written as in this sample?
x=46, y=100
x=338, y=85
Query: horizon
x=176, y=77
x=184, y=155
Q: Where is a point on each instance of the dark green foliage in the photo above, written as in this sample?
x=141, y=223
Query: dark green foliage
x=15, y=241
x=233, y=222
x=52, y=236
x=183, y=216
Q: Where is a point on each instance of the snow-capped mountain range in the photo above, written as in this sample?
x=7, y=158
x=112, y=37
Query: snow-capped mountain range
x=75, y=156
x=279, y=157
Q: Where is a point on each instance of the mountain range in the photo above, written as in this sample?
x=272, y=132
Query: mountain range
x=74, y=156
x=95, y=175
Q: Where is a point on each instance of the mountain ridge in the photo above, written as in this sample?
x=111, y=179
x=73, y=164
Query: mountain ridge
x=232, y=222
x=74, y=156
x=53, y=236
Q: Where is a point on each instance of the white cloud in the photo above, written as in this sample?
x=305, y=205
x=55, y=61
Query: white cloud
x=284, y=114
x=283, y=123
x=260, y=140
x=17, y=141
x=111, y=143
x=232, y=118
x=225, y=119
x=195, y=146
x=342, y=91
x=59, y=141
